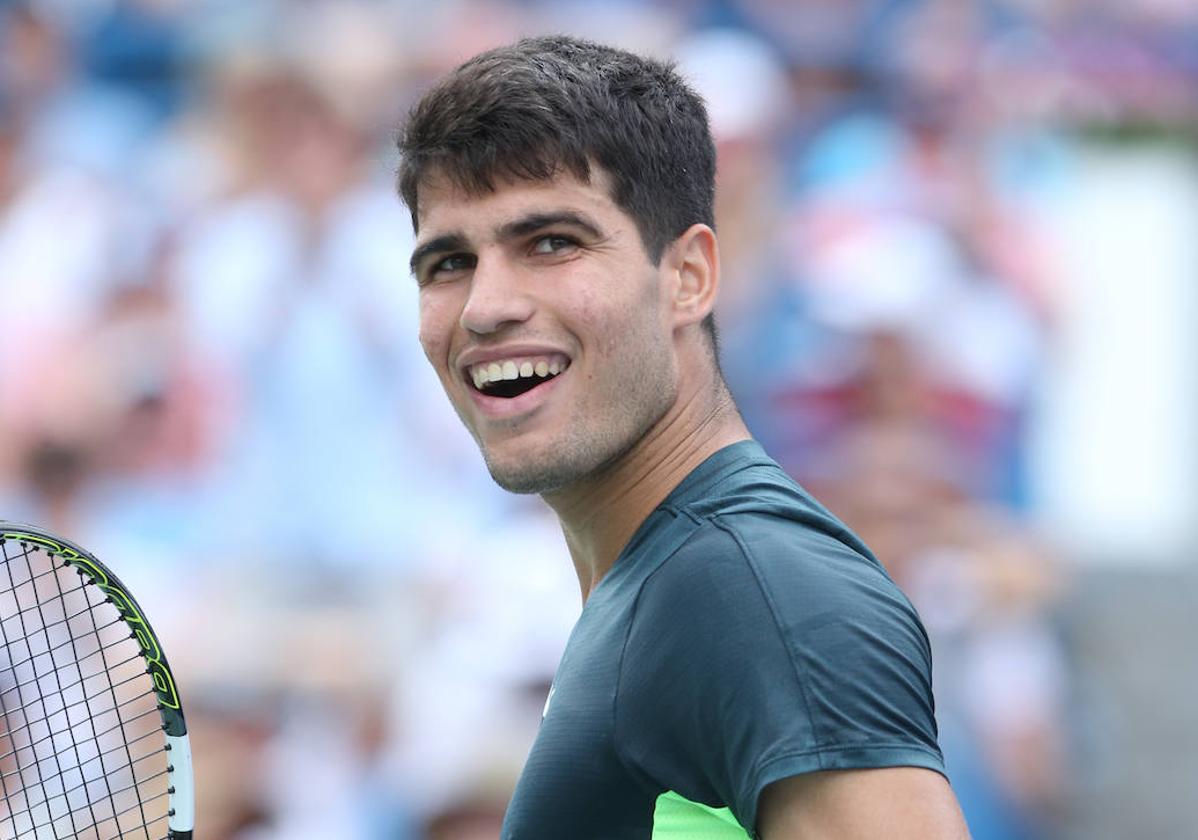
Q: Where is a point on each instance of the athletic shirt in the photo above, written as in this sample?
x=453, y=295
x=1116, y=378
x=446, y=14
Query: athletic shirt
x=744, y=635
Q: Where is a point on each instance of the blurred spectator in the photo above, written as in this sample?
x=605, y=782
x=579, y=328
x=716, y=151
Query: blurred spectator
x=985, y=589
x=297, y=280
x=137, y=45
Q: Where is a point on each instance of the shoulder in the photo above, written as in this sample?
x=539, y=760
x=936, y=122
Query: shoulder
x=787, y=566
x=795, y=594
x=768, y=512
x=754, y=592
x=765, y=647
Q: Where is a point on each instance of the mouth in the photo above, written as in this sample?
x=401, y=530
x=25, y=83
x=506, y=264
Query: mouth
x=513, y=377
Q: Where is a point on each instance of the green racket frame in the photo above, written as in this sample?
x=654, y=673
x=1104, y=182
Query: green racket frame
x=181, y=780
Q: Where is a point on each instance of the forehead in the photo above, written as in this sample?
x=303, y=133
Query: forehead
x=444, y=205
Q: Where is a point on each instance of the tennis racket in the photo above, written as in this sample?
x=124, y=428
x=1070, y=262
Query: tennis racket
x=93, y=745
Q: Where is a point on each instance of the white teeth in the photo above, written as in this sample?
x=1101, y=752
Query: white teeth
x=492, y=372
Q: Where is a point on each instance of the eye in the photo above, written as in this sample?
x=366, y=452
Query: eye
x=553, y=244
x=451, y=264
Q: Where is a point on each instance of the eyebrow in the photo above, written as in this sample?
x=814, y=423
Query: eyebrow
x=456, y=241
x=536, y=221
x=448, y=242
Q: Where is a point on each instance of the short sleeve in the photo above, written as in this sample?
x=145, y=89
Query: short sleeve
x=765, y=649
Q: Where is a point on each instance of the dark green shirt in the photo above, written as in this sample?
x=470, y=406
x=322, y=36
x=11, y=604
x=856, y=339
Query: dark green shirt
x=743, y=636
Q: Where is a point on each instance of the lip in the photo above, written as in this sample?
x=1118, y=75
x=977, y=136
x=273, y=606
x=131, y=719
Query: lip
x=506, y=408
x=481, y=355
x=478, y=355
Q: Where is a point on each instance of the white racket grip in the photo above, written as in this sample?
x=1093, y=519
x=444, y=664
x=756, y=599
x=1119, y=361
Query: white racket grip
x=182, y=801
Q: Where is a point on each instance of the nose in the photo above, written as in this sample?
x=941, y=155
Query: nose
x=498, y=297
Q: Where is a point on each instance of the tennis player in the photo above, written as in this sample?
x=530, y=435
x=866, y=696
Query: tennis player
x=743, y=666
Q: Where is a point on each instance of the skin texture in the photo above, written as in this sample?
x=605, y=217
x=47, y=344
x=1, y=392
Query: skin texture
x=557, y=268
x=641, y=403
x=579, y=288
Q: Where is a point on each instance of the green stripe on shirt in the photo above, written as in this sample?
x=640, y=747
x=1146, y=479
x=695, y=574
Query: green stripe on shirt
x=677, y=818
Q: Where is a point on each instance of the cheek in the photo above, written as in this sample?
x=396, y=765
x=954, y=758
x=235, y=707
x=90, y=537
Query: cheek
x=604, y=322
x=436, y=327
x=615, y=310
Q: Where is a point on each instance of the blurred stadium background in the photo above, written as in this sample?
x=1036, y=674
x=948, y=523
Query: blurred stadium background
x=961, y=258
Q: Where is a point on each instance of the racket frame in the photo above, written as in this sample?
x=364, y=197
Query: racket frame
x=180, y=775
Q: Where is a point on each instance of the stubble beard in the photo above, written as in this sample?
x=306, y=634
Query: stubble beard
x=590, y=446
x=599, y=432
x=605, y=428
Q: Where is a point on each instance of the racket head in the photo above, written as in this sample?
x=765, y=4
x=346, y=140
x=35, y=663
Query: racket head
x=93, y=741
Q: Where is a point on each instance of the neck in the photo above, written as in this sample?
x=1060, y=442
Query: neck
x=600, y=515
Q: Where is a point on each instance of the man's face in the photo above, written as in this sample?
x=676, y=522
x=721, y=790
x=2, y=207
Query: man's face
x=547, y=324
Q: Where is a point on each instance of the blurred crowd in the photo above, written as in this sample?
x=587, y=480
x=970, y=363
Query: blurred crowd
x=210, y=372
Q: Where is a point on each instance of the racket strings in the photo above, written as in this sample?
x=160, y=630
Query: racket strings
x=162, y=775
x=82, y=681
x=32, y=746
x=16, y=772
x=78, y=707
x=65, y=623
x=48, y=575
x=55, y=781
x=23, y=617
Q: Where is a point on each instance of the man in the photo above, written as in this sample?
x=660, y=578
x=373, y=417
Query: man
x=742, y=666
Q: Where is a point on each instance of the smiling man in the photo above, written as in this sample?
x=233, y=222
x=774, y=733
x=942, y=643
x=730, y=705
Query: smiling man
x=743, y=666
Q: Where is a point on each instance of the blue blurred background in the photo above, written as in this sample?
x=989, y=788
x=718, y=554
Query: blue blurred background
x=960, y=305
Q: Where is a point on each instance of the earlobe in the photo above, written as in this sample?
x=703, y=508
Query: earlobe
x=696, y=263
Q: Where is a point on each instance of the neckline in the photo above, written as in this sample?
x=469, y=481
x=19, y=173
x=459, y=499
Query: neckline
x=715, y=468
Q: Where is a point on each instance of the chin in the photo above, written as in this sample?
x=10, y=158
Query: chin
x=526, y=476
x=525, y=481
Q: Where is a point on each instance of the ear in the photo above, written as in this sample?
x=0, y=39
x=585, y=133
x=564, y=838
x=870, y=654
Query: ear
x=694, y=263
